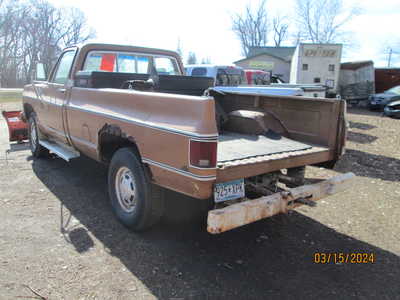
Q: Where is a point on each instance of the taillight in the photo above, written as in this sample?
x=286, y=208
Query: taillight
x=203, y=154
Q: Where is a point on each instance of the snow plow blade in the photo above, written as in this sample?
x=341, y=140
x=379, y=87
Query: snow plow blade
x=239, y=214
x=17, y=128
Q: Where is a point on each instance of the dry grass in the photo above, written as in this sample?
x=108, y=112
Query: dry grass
x=10, y=95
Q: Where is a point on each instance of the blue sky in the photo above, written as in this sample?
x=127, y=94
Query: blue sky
x=205, y=26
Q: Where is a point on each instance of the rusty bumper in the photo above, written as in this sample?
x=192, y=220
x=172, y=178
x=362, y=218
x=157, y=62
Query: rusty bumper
x=236, y=215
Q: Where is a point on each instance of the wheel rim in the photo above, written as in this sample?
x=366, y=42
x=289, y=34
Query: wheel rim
x=125, y=188
x=33, y=136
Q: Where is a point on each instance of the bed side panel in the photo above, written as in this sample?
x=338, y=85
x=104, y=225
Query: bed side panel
x=160, y=124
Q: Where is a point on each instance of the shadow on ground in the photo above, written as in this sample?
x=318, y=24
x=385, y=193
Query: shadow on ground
x=361, y=138
x=369, y=165
x=15, y=147
x=271, y=258
x=360, y=125
x=364, y=111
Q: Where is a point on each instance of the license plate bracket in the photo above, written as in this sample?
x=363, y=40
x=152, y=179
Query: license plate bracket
x=230, y=190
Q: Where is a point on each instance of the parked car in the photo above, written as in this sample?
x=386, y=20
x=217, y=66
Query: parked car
x=132, y=109
x=392, y=109
x=379, y=101
x=224, y=75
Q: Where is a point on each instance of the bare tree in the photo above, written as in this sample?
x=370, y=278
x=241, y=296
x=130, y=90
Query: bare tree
x=191, y=58
x=206, y=61
x=251, y=27
x=33, y=31
x=11, y=51
x=322, y=21
x=280, y=27
x=73, y=29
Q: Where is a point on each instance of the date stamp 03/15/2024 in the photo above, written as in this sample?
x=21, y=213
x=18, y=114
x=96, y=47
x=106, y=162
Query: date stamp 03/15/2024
x=344, y=258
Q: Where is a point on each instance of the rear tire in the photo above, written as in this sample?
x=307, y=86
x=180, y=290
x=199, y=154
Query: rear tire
x=33, y=134
x=137, y=203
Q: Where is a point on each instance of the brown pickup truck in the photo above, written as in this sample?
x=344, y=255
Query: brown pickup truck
x=132, y=109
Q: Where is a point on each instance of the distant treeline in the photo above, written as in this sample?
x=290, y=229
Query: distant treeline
x=35, y=31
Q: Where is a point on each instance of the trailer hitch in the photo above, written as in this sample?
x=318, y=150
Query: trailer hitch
x=301, y=200
x=305, y=201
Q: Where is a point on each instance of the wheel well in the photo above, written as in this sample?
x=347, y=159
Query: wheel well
x=112, y=138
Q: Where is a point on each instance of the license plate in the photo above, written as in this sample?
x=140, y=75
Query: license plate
x=229, y=190
x=373, y=102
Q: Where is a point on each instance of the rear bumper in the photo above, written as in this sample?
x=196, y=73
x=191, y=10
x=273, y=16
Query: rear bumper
x=236, y=215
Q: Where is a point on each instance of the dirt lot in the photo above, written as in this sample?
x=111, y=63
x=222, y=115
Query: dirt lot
x=59, y=237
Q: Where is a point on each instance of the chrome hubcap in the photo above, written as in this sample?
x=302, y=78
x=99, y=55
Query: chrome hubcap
x=126, y=189
x=33, y=136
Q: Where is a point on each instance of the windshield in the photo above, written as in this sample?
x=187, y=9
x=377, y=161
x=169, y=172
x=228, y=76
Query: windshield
x=394, y=90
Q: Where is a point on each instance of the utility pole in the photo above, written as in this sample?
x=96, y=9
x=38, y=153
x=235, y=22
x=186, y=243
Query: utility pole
x=179, y=47
x=390, y=57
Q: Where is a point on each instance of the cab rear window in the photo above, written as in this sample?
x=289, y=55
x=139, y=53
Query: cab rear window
x=166, y=65
x=101, y=62
x=116, y=62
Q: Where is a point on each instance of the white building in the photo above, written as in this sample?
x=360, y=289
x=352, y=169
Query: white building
x=316, y=64
x=304, y=64
x=271, y=59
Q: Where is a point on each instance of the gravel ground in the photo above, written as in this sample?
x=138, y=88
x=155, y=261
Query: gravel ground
x=59, y=237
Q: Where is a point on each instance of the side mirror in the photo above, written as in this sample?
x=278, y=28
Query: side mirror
x=40, y=72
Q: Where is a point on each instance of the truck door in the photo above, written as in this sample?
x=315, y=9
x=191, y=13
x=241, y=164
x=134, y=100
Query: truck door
x=59, y=89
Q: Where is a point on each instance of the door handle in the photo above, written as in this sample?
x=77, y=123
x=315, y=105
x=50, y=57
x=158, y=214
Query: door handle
x=62, y=90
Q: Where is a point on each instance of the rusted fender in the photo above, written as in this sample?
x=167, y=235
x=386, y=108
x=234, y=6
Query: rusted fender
x=239, y=214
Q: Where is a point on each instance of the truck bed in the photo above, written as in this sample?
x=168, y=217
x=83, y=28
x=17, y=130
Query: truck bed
x=238, y=149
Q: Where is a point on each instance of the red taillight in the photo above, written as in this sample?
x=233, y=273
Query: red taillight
x=203, y=154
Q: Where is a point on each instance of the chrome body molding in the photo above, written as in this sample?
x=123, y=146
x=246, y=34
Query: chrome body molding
x=178, y=171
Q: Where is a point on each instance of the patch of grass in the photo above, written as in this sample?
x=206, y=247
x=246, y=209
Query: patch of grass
x=10, y=96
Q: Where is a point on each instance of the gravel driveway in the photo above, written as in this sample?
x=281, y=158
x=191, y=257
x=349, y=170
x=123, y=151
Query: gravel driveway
x=59, y=239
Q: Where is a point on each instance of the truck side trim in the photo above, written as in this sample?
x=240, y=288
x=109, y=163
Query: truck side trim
x=146, y=124
x=178, y=171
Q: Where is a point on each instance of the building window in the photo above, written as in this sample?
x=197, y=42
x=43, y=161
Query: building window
x=330, y=83
x=305, y=67
x=317, y=80
x=332, y=68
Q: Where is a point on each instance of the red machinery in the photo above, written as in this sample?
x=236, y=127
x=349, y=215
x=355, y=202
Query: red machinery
x=258, y=77
x=17, y=128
